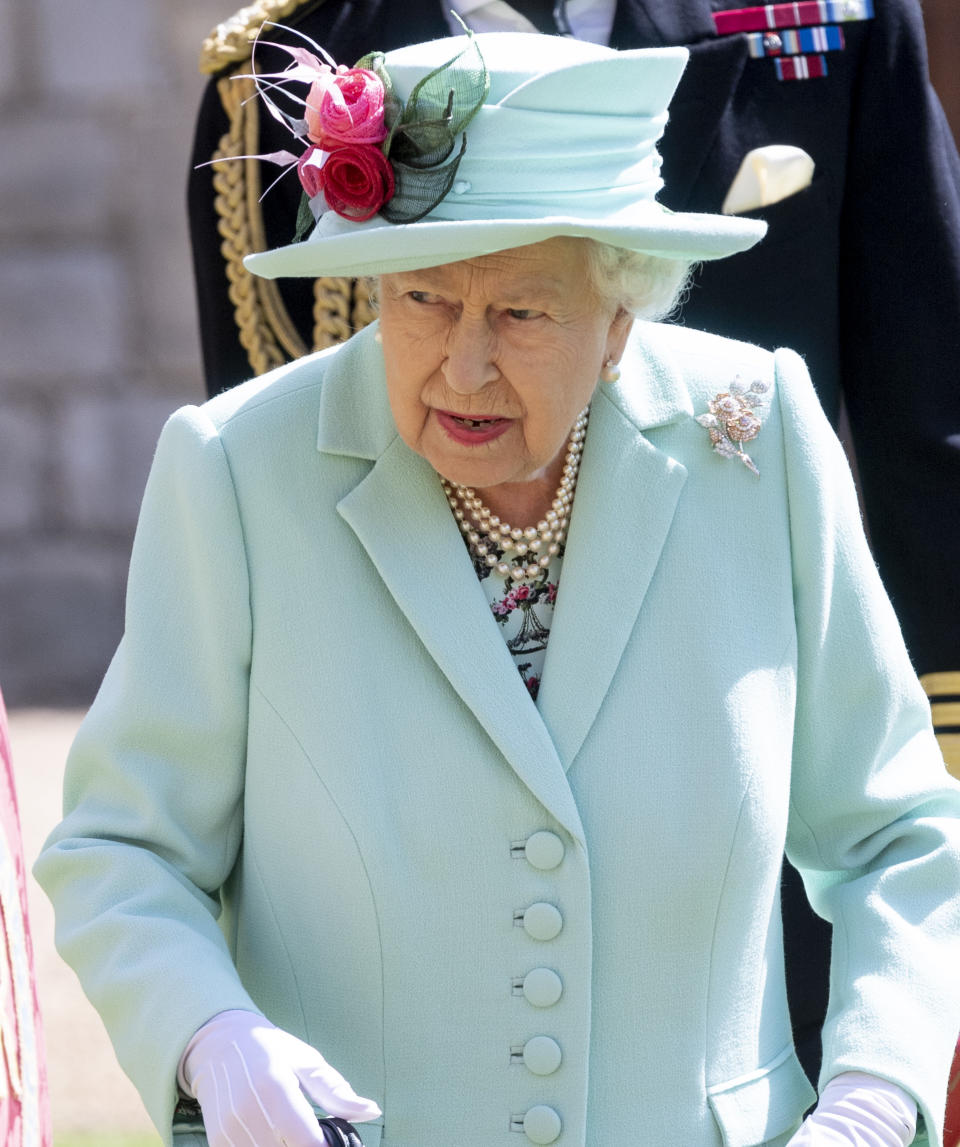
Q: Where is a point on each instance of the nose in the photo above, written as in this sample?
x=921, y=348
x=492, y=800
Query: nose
x=470, y=362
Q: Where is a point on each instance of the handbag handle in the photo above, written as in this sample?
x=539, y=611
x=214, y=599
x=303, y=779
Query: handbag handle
x=340, y=1133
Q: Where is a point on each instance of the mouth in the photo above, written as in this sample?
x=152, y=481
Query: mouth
x=474, y=428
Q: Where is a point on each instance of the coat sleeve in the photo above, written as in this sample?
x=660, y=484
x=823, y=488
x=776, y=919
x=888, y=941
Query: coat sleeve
x=154, y=781
x=875, y=818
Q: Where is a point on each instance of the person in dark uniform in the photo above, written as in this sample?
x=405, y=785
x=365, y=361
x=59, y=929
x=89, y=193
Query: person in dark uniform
x=860, y=269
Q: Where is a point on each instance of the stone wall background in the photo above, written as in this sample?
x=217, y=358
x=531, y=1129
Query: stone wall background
x=97, y=330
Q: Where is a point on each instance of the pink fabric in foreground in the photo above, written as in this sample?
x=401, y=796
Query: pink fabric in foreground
x=951, y=1128
x=24, y=1106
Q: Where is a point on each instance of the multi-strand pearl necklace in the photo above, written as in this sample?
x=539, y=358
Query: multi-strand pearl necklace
x=512, y=552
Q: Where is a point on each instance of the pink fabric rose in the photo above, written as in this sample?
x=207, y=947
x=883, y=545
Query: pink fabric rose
x=357, y=181
x=521, y=593
x=346, y=108
x=310, y=170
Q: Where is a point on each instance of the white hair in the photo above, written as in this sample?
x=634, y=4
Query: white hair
x=647, y=286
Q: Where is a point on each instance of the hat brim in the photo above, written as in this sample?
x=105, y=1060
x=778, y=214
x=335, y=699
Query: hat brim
x=339, y=247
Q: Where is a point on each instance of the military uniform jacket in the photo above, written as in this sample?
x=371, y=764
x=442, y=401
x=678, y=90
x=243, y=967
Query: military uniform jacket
x=314, y=783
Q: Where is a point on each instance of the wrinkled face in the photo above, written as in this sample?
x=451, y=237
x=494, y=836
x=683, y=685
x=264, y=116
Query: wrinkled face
x=490, y=360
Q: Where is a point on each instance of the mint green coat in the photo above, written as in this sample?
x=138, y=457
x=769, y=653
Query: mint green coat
x=306, y=783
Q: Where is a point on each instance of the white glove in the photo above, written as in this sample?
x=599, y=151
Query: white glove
x=250, y=1077
x=859, y=1110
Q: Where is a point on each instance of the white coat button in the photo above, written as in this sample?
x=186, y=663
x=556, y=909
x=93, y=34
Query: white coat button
x=542, y=1055
x=542, y=987
x=542, y=921
x=542, y=1124
x=544, y=850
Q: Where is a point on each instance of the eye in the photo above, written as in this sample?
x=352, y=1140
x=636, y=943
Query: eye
x=423, y=297
x=524, y=314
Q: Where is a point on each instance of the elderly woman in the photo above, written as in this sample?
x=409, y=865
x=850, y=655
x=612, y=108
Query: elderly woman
x=478, y=672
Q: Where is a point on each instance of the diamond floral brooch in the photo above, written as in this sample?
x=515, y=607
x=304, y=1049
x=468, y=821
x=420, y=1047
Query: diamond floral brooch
x=734, y=418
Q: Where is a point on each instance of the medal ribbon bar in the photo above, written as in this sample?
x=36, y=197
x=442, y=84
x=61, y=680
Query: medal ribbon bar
x=795, y=41
x=804, y=13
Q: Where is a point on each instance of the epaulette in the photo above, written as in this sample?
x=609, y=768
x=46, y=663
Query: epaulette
x=230, y=42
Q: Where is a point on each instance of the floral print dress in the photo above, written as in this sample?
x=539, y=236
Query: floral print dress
x=524, y=613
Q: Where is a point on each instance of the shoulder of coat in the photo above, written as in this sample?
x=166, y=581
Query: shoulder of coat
x=231, y=42
x=705, y=359
x=290, y=381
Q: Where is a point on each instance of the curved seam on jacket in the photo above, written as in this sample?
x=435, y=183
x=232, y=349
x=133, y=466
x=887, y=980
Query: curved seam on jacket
x=839, y=944
x=716, y=925
x=254, y=864
x=743, y=800
x=246, y=559
x=794, y=811
x=366, y=873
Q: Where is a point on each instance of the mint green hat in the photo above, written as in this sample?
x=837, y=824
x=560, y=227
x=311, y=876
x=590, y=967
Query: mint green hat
x=564, y=143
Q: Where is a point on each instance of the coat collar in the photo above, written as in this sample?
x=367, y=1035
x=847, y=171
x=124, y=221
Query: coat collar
x=626, y=497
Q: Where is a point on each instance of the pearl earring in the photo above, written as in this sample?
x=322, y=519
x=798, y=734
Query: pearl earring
x=377, y=336
x=610, y=371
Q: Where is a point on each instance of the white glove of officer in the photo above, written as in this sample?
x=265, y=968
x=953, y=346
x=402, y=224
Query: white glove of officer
x=859, y=1110
x=251, y=1080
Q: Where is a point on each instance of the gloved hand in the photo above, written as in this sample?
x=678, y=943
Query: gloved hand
x=249, y=1078
x=859, y=1110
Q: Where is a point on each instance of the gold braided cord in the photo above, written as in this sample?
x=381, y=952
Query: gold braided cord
x=231, y=42
x=946, y=713
x=331, y=312
x=941, y=684
x=341, y=307
x=268, y=293
x=265, y=329
x=950, y=747
x=364, y=306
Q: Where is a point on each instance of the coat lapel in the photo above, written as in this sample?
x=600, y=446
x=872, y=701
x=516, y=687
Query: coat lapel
x=400, y=515
x=627, y=493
